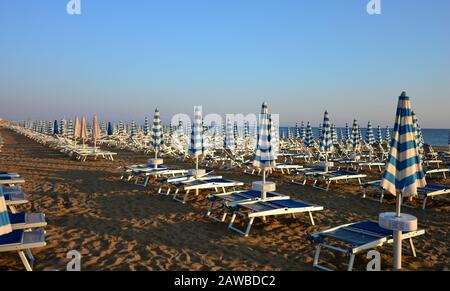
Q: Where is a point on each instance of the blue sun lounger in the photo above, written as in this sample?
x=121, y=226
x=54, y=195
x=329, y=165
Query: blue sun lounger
x=263, y=209
x=335, y=176
x=27, y=220
x=429, y=191
x=10, y=174
x=22, y=242
x=11, y=180
x=355, y=238
x=224, y=201
x=204, y=183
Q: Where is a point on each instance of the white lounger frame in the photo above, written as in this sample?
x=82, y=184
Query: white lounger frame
x=263, y=214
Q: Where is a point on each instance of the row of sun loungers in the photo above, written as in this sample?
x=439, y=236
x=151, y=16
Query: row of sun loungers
x=27, y=231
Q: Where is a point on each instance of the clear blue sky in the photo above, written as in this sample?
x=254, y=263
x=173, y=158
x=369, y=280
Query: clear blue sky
x=122, y=58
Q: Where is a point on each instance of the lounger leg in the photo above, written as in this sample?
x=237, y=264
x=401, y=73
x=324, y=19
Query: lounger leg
x=424, y=202
x=413, y=249
x=25, y=261
x=311, y=218
x=351, y=262
x=316, y=256
x=247, y=231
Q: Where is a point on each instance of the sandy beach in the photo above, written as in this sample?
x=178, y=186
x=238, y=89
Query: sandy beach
x=116, y=225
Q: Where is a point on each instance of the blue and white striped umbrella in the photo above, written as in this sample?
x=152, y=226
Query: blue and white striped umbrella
x=379, y=139
x=235, y=134
x=370, y=139
x=49, y=127
x=341, y=134
x=347, y=132
x=197, y=146
x=133, y=129
x=388, y=136
x=404, y=172
x=360, y=134
x=355, y=139
x=146, y=126
x=334, y=134
x=419, y=137
x=309, y=138
x=320, y=131
x=5, y=224
x=229, y=142
x=70, y=127
x=326, y=142
x=297, y=131
x=55, y=127
x=157, y=135
x=264, y=156
x=302, y=131
x=289, y=133
x=63, y=127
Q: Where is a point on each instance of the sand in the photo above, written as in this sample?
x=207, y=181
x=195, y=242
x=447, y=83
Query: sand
x=116, y=225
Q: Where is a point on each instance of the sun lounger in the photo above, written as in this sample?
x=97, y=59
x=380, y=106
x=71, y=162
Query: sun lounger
x=286, y=168
x=224, y=201
x=22, y=242
x=27, y=220
x=429, y=191
x=443, y=171
x=335, y=176
x=10, y=174
x=9, y=180
x=262, y=209
x=355, y=238
x=156, y=172
x=304, y=174
x=205, y=183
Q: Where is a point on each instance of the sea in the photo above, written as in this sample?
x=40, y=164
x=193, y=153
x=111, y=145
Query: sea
x=432, y=136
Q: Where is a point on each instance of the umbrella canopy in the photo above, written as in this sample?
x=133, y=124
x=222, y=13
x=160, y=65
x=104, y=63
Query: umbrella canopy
x=196, y=148
x=110, y=128
x=419, y=137
x=297, y=131
x=84, y=131
x=133, y=129
x=264, y=156
x=334, y=134
x=95, y=130
x=5, y=224
x=309, y=138
x=370, y=139
x=326, y=143
x=77, y=130
x=70, y=128
x=379, y=139
x=146, y=126
x=388, y=136
x=157, y=134
x=229, y=136
x=355, y=140
x=55, y=127
x=302, y=131
x=403, y=172
x=62, y=127
x=347, y=132
x=320, y=131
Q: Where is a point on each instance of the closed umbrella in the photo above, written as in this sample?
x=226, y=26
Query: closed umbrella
x=264, y=157
x=95, y=131
x=157, y=134
x=403, y=173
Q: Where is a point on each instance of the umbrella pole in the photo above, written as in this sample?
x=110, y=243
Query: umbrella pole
x=264, y=194
x=398, y=237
